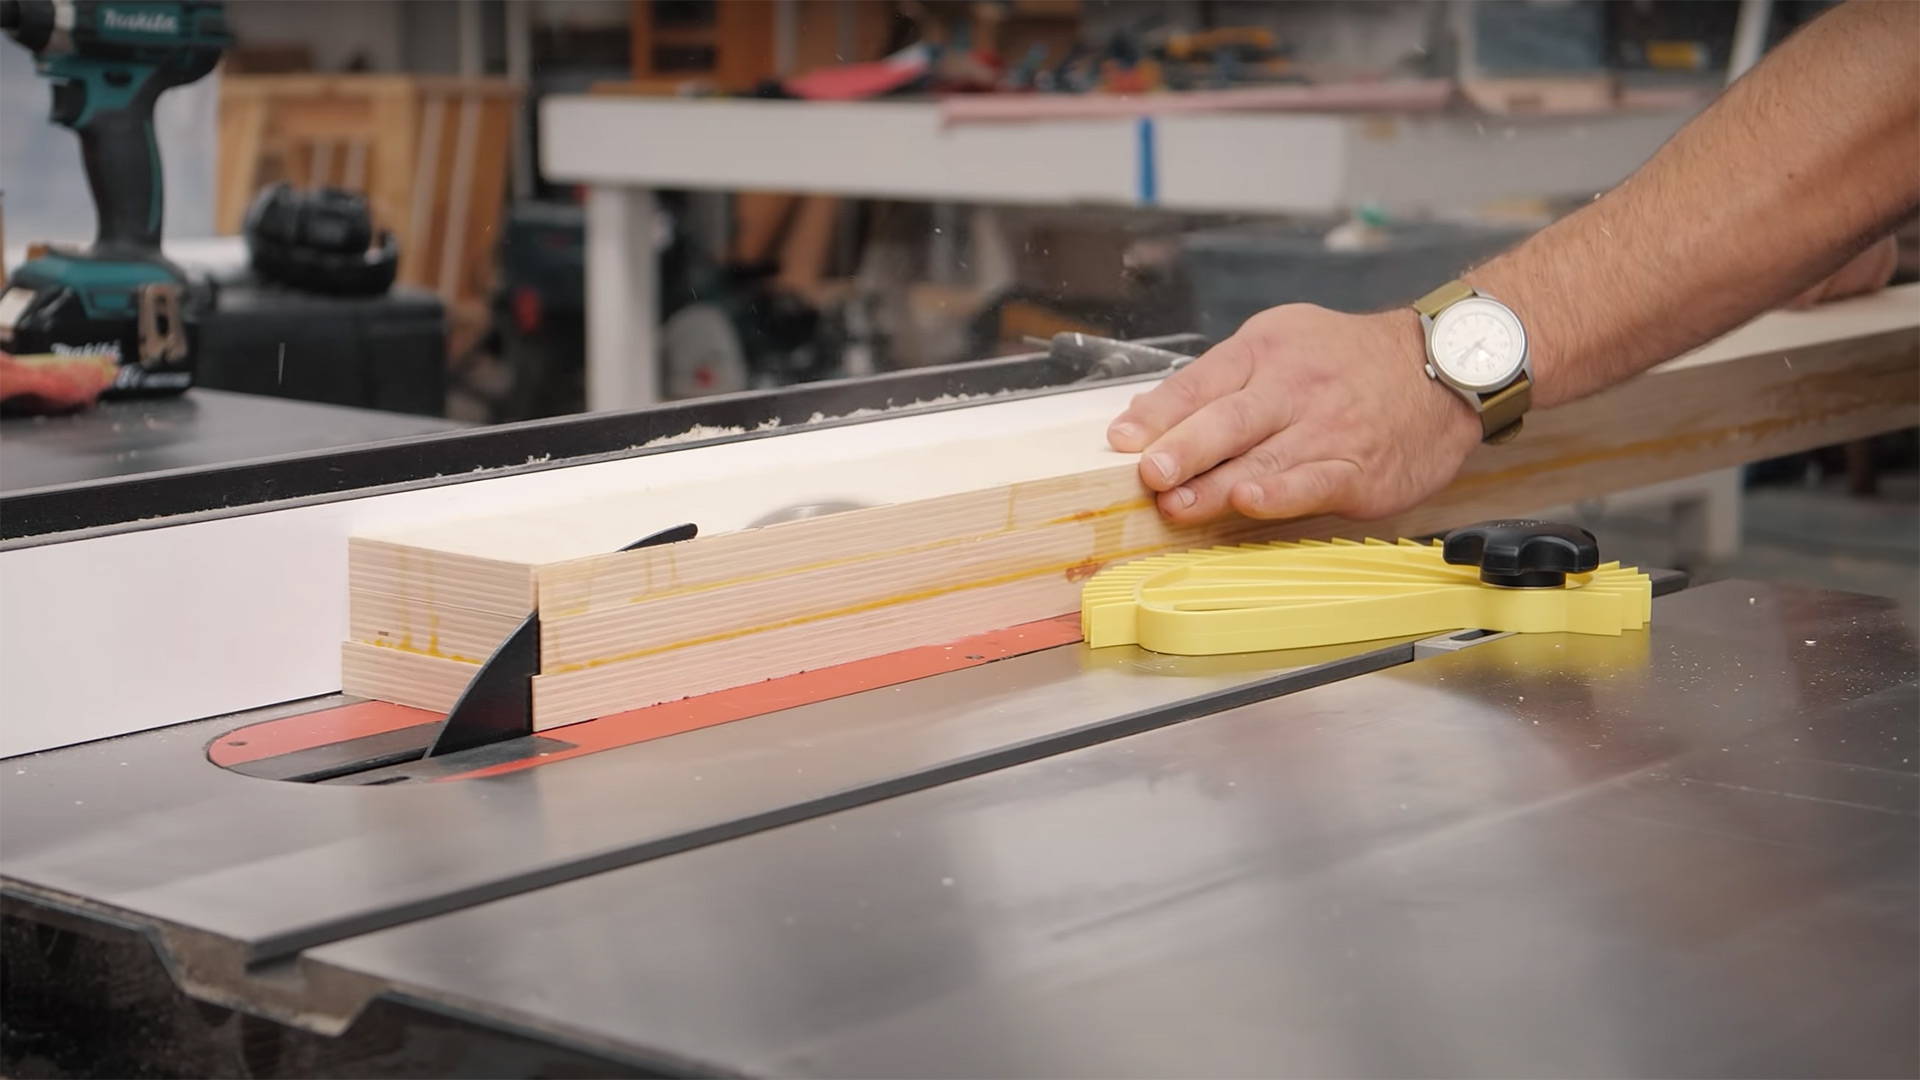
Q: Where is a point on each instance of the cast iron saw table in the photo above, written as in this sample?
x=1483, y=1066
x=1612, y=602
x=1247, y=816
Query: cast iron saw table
x=197, y=429
x=1692, y=850
x=1689, y=851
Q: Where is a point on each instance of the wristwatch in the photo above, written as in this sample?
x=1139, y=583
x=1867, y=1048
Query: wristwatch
x=1477, y=348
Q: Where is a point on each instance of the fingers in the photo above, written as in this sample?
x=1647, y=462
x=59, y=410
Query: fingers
x=1221, y=429
x=1267, y=483
x=1210, y=495
x=1218, y=372
x=1315, y=487
x=1869, y=271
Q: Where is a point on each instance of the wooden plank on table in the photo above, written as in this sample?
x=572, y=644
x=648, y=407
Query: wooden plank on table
x=424, y=682
x=743, y=40
x=391, y=172
x=426, y=570
x=1566, y=96
x=462, y=169
x=243, y=121
x=421, y=169
x=975, y=535
x=429, y=152
x=426, y=627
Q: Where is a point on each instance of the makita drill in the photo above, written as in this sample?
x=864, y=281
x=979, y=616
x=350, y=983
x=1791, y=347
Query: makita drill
x=109, y=60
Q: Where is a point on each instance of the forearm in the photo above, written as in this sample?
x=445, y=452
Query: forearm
x=1796, y=168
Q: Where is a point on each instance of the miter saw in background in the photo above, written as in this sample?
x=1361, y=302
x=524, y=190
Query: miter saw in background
x=735, y=329
x=726, y=328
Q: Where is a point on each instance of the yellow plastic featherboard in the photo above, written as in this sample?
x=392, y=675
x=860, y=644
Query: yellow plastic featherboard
x=1284, y=595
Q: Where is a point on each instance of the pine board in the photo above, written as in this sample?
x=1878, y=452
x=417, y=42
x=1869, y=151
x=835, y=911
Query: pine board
x=436, y=576
x=413, y=625
x=486, y=565
x=424, y=682
x=976, y=535
x=255, y=604
x=886, y=473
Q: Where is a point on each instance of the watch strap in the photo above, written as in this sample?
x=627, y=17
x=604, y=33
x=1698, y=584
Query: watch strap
x=1502, y=412
x=1439, y=299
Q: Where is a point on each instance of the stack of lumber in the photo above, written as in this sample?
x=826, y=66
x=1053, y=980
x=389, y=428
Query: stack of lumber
x=428, y=152
x=965, y=537
x=977, y=534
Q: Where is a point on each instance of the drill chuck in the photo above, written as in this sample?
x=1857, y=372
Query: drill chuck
x=29, y=22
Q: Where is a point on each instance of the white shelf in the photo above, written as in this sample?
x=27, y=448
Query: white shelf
x=625, y=148
x=1272, y=162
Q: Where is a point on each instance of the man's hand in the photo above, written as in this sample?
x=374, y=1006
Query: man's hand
x=1302, y=411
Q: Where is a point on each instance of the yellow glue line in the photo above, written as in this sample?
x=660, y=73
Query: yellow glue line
x=805, y=568
x=858, y=608
x=1127, y=506
x=414, y=650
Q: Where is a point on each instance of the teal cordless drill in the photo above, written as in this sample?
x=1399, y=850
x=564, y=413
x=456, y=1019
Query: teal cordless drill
x=109, y=62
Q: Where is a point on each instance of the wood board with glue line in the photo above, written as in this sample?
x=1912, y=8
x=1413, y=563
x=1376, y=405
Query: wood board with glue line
x=967, y=534
x=975, y=534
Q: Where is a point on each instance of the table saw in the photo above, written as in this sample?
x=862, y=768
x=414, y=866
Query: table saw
x=1686, y=850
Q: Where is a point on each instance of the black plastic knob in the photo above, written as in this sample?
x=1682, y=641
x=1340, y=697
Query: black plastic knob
x=1523, y=554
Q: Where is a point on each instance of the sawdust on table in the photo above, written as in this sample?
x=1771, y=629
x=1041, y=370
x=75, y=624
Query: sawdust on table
x=700, y=432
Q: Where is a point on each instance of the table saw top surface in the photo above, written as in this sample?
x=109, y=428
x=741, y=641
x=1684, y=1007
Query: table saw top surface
x=197, y=429
x=1689, y=850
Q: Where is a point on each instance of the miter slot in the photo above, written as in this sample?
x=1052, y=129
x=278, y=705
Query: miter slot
x=1664, y=582
x=1441, y=644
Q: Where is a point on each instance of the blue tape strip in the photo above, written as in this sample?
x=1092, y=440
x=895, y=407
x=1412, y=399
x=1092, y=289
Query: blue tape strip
x=1149, y=170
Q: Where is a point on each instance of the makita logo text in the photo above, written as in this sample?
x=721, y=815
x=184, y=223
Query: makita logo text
x=110, y=348
x=145, y=22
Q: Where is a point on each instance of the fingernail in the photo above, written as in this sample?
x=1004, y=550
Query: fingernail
x=1249, y=495
x=1126, y=433
x=1163, y=464
x=1184, y=496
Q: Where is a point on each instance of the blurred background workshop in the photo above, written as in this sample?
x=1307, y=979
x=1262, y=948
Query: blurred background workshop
x=342, y=340
x=567, y=205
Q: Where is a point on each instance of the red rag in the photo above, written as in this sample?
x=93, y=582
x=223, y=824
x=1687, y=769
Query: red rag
x=52, y=383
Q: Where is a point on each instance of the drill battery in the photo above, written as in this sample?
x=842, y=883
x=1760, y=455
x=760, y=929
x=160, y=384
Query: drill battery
x=145, y=315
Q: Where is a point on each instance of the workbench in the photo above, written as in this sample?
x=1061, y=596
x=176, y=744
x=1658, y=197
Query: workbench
x=626, y=148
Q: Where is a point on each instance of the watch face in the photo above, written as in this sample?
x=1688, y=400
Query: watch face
x=1478, y=344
